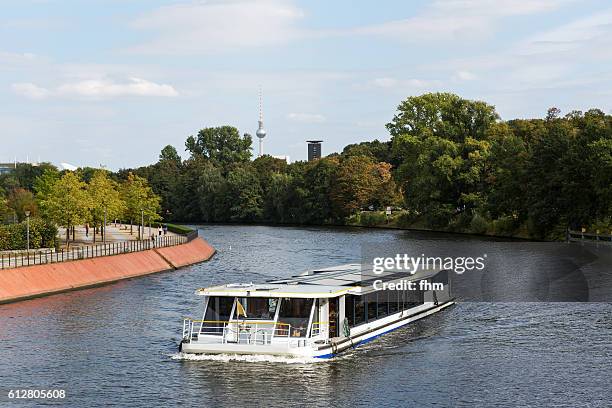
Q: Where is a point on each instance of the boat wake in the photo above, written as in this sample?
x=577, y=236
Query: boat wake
x=248, y=358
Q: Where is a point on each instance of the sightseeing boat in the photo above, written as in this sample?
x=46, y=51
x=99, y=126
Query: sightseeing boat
x=319, y=313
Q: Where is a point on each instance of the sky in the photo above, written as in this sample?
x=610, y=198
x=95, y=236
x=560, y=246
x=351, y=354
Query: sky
x=112, y=82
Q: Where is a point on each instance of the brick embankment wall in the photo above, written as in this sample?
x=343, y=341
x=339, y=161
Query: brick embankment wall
x=39, y=280
x=187, y=254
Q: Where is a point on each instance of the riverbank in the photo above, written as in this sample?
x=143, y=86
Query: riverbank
x=41, y=280
x=381, y=226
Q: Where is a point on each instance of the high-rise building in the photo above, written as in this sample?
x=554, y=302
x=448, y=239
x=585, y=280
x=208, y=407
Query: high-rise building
x=314, y=149
x=261, y=132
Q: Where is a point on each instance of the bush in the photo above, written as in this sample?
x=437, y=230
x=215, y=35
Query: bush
x=179, y=229
x=14, y=236
x=505, y=226
x=479, y=224
x=440, y=217
x=373, y=218
x=404, y=219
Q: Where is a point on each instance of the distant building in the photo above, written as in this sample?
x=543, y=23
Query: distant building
x=68, y=166
x=314, y=149
x=7, y=167
x=285, y=158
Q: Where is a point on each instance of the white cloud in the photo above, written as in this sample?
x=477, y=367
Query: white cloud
x=449, y=19
x=497, y=8
x=389, y=82
x=306, y=117
x=12, y=56
x=30, y=90
x=97, y=88
x=214, y=26
x=464, y=76
x=568, y=56
x=107, y=88
x=591, y=33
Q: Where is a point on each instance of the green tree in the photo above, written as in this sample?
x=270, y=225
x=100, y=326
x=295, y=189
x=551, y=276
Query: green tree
x=140, y=201
x=68, y=203
x=243, y=194
x=105, y=199
x=43, y=186
x=440, y=142
x=379, y=151
x=223, y=145
x=210, y=191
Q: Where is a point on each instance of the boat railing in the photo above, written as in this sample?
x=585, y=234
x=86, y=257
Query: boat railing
x=319, y=328
x=236, y=331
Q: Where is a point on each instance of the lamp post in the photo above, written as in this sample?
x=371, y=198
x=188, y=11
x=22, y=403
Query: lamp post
x=27, y=214
x=104, y=227
x=142, y=223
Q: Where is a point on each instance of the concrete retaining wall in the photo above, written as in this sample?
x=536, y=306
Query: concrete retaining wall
x=39, y=280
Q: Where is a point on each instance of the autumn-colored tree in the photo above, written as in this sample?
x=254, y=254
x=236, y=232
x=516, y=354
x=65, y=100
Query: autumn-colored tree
x=21, y=200
x=359, y=183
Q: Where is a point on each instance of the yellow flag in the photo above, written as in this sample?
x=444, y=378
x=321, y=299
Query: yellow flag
x=240, y=309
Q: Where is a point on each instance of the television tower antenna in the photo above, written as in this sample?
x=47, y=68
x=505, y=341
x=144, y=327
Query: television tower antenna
x=261, y=132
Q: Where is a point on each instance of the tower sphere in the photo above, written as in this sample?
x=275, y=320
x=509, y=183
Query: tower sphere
x=261, y=132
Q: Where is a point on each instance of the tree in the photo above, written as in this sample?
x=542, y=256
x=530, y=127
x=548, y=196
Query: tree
x=21, y=200
x=68, y=203
x=169, y=154
x=440, y=142
x=210, y=192
x=26, y=173
x=508, y=177
x=379, y=151
x=223, y=145
x=43, y=186
x=105, y=199
x=244, y=195
x=359, y=183
x=164, y=178
x=140, y=201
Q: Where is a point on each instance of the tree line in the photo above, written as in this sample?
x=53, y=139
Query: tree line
x=69, y=198
x=450, y=164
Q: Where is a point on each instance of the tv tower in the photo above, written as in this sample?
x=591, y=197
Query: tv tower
x=261, y=132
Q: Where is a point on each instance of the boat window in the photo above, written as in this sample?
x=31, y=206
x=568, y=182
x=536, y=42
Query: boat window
x=219, y=308
x=383, y=303
x=372, y=306
x=355, y=310
x=413, y=298
x=394, y=301
x=295, y=312
x=218, y=311
x=257, y=308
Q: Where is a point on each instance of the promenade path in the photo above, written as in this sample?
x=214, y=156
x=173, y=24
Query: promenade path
x=114, y=233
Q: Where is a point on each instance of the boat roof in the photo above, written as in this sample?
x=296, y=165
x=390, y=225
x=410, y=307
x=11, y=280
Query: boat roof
x=318, y=283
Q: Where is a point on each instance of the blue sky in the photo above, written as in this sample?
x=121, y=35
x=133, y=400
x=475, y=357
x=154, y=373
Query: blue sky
x=112, y=82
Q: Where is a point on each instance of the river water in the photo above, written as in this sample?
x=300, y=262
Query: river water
x=117, y=345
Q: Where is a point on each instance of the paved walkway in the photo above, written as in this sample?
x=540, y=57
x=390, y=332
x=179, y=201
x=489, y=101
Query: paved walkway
x=114, y=233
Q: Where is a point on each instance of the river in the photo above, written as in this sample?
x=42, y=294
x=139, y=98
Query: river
x=117, y=345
